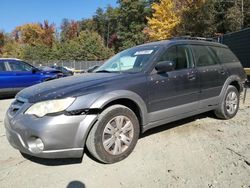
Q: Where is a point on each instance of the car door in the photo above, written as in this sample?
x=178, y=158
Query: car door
x=175, y=92
x=5, y=86
x=21, y=75
x=211, y=73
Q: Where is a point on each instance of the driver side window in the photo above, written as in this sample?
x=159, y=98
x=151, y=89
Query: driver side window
x=180, y=55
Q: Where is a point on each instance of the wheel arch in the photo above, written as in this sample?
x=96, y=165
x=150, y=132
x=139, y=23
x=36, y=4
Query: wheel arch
x=126, y=98
x=128, y=103
x=237, y=85
x=233, y=80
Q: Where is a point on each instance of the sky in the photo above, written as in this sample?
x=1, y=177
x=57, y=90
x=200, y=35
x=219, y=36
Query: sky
x=18, y=12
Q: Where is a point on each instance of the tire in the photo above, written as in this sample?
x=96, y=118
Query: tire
x=229, y=106
x=115, y=134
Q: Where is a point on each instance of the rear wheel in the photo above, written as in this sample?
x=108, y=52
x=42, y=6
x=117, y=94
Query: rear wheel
x=114, y=135
x=229, y=106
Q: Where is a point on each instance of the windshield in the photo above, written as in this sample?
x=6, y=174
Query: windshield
x=131, y=60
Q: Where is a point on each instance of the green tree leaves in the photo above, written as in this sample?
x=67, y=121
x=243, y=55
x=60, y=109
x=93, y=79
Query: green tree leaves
x=87, y=46
x=198, y=19
x=132, y=21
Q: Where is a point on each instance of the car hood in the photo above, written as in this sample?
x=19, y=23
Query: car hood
x=68, y=87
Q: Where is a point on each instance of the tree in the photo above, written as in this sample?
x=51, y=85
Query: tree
x=246, y=13
x=2, y=40
x=222, y=16
x=35, y=34
x=39, y=52
x=131, y=22
x=100, y=20
x=65, y=25
x=233, y=19
x=197, y=18
x=164, y=20
x=87, y=25
x=228, y=15
x=112, y=15
x=87, y=46
x=69, y=29
x=29, y=34
x=48, y=35
x=106, y=23
x=11, y=48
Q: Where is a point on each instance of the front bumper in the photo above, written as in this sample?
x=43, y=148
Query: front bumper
x=62, y=136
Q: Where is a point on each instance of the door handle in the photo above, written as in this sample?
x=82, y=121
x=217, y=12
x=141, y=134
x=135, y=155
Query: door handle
x=222, y=71
x=191, y=77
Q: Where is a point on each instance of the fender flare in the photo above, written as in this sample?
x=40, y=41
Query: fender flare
x=122, y=94
x=101, y=102
x=229, y=80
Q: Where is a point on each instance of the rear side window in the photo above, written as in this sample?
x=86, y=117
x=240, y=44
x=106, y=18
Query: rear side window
x=2, y=66
x=203, y=56
x=224, y=54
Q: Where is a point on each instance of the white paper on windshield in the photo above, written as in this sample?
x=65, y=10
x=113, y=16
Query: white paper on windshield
x=144, y=52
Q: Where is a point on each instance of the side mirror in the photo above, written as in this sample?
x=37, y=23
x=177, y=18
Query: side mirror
x=92, y=69
x=165, y=66
x=34, y=70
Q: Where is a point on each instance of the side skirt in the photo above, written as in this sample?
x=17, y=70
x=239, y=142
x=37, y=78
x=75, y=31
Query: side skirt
x=180, y=112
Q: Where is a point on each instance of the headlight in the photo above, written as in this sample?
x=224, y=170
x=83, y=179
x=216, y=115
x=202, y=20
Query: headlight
x=40, y=109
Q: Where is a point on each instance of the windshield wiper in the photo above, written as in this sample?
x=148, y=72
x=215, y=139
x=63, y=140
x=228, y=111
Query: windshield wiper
x=105, y=71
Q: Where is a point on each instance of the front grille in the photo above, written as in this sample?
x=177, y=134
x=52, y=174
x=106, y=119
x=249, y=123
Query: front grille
x=16, y=106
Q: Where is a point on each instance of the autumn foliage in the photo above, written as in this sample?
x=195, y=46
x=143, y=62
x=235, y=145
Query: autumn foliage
x=164, y=20
x=130, y=23
x=1, y=42
x=35, y=33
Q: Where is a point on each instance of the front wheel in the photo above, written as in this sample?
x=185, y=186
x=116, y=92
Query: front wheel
x=114, y=135
x=229, y=106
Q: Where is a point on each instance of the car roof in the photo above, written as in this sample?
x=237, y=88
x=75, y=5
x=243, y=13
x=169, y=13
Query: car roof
x=183, y=41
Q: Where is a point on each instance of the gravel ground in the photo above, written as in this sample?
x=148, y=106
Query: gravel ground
x=196, y=152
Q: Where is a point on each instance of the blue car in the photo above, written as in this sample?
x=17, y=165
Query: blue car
x=16, y=74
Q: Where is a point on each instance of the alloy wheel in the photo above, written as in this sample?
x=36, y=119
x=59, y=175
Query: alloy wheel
x=118, y=135
x=231, y=102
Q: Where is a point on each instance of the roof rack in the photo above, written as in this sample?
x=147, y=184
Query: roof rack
x=193, y=38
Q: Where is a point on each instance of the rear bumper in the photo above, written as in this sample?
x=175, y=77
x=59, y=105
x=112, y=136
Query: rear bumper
x=62, y=136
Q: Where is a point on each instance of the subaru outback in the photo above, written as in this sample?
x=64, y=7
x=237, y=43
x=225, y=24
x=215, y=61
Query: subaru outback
x=137, y=89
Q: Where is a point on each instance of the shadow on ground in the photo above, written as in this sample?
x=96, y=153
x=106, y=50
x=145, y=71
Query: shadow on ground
x=7, y=96
x=76, y=184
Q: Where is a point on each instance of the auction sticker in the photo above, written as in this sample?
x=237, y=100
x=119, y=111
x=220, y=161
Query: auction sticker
x=144, y=52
